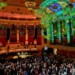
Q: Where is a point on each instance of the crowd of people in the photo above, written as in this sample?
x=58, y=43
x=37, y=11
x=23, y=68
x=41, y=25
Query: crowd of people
x=38, y=65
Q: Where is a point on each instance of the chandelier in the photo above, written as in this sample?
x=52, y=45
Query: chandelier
x=30, y=4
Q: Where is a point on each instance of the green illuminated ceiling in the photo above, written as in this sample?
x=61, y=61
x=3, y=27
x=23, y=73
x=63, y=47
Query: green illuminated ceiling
x=49, y=13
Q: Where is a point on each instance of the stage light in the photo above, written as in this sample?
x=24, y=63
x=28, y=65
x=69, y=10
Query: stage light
x=45, y=48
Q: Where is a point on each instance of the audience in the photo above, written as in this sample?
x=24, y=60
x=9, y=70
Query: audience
x=48, y=65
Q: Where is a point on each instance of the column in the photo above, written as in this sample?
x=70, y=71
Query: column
x=8, y=41
x=59, y=31
x=73, y=29
x=68, y=31
x=17, y=35
x=8, y=33
x=35, y=40
x=26, y=37
x=52, y=33
x=42, y=33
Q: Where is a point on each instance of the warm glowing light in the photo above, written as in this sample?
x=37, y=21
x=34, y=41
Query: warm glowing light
x=23, y=55
x=15, y=57
x=35, y=42
x=30, y=5
x=63, y=30
x=55, y=51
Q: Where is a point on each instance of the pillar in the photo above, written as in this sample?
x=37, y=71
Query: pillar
x=26, y=37
x=68, y=31
x=42, y=31
x=17, y=35
x=8, y=41
x=52, y=33
x=59, y=31
x=8, y=33
x=35, y=40
x=73, y=29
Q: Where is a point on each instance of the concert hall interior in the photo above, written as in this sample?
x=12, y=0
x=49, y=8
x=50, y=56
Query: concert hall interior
x=37, y=29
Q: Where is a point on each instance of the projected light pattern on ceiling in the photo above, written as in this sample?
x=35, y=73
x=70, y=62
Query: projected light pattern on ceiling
x=55, y=7
x=59, y=12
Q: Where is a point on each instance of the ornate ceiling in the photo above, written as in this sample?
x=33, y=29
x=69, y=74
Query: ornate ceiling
x=21, y=2
x=18, y=6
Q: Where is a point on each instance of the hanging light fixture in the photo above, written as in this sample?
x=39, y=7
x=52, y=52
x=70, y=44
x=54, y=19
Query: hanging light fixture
x=30, y=4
